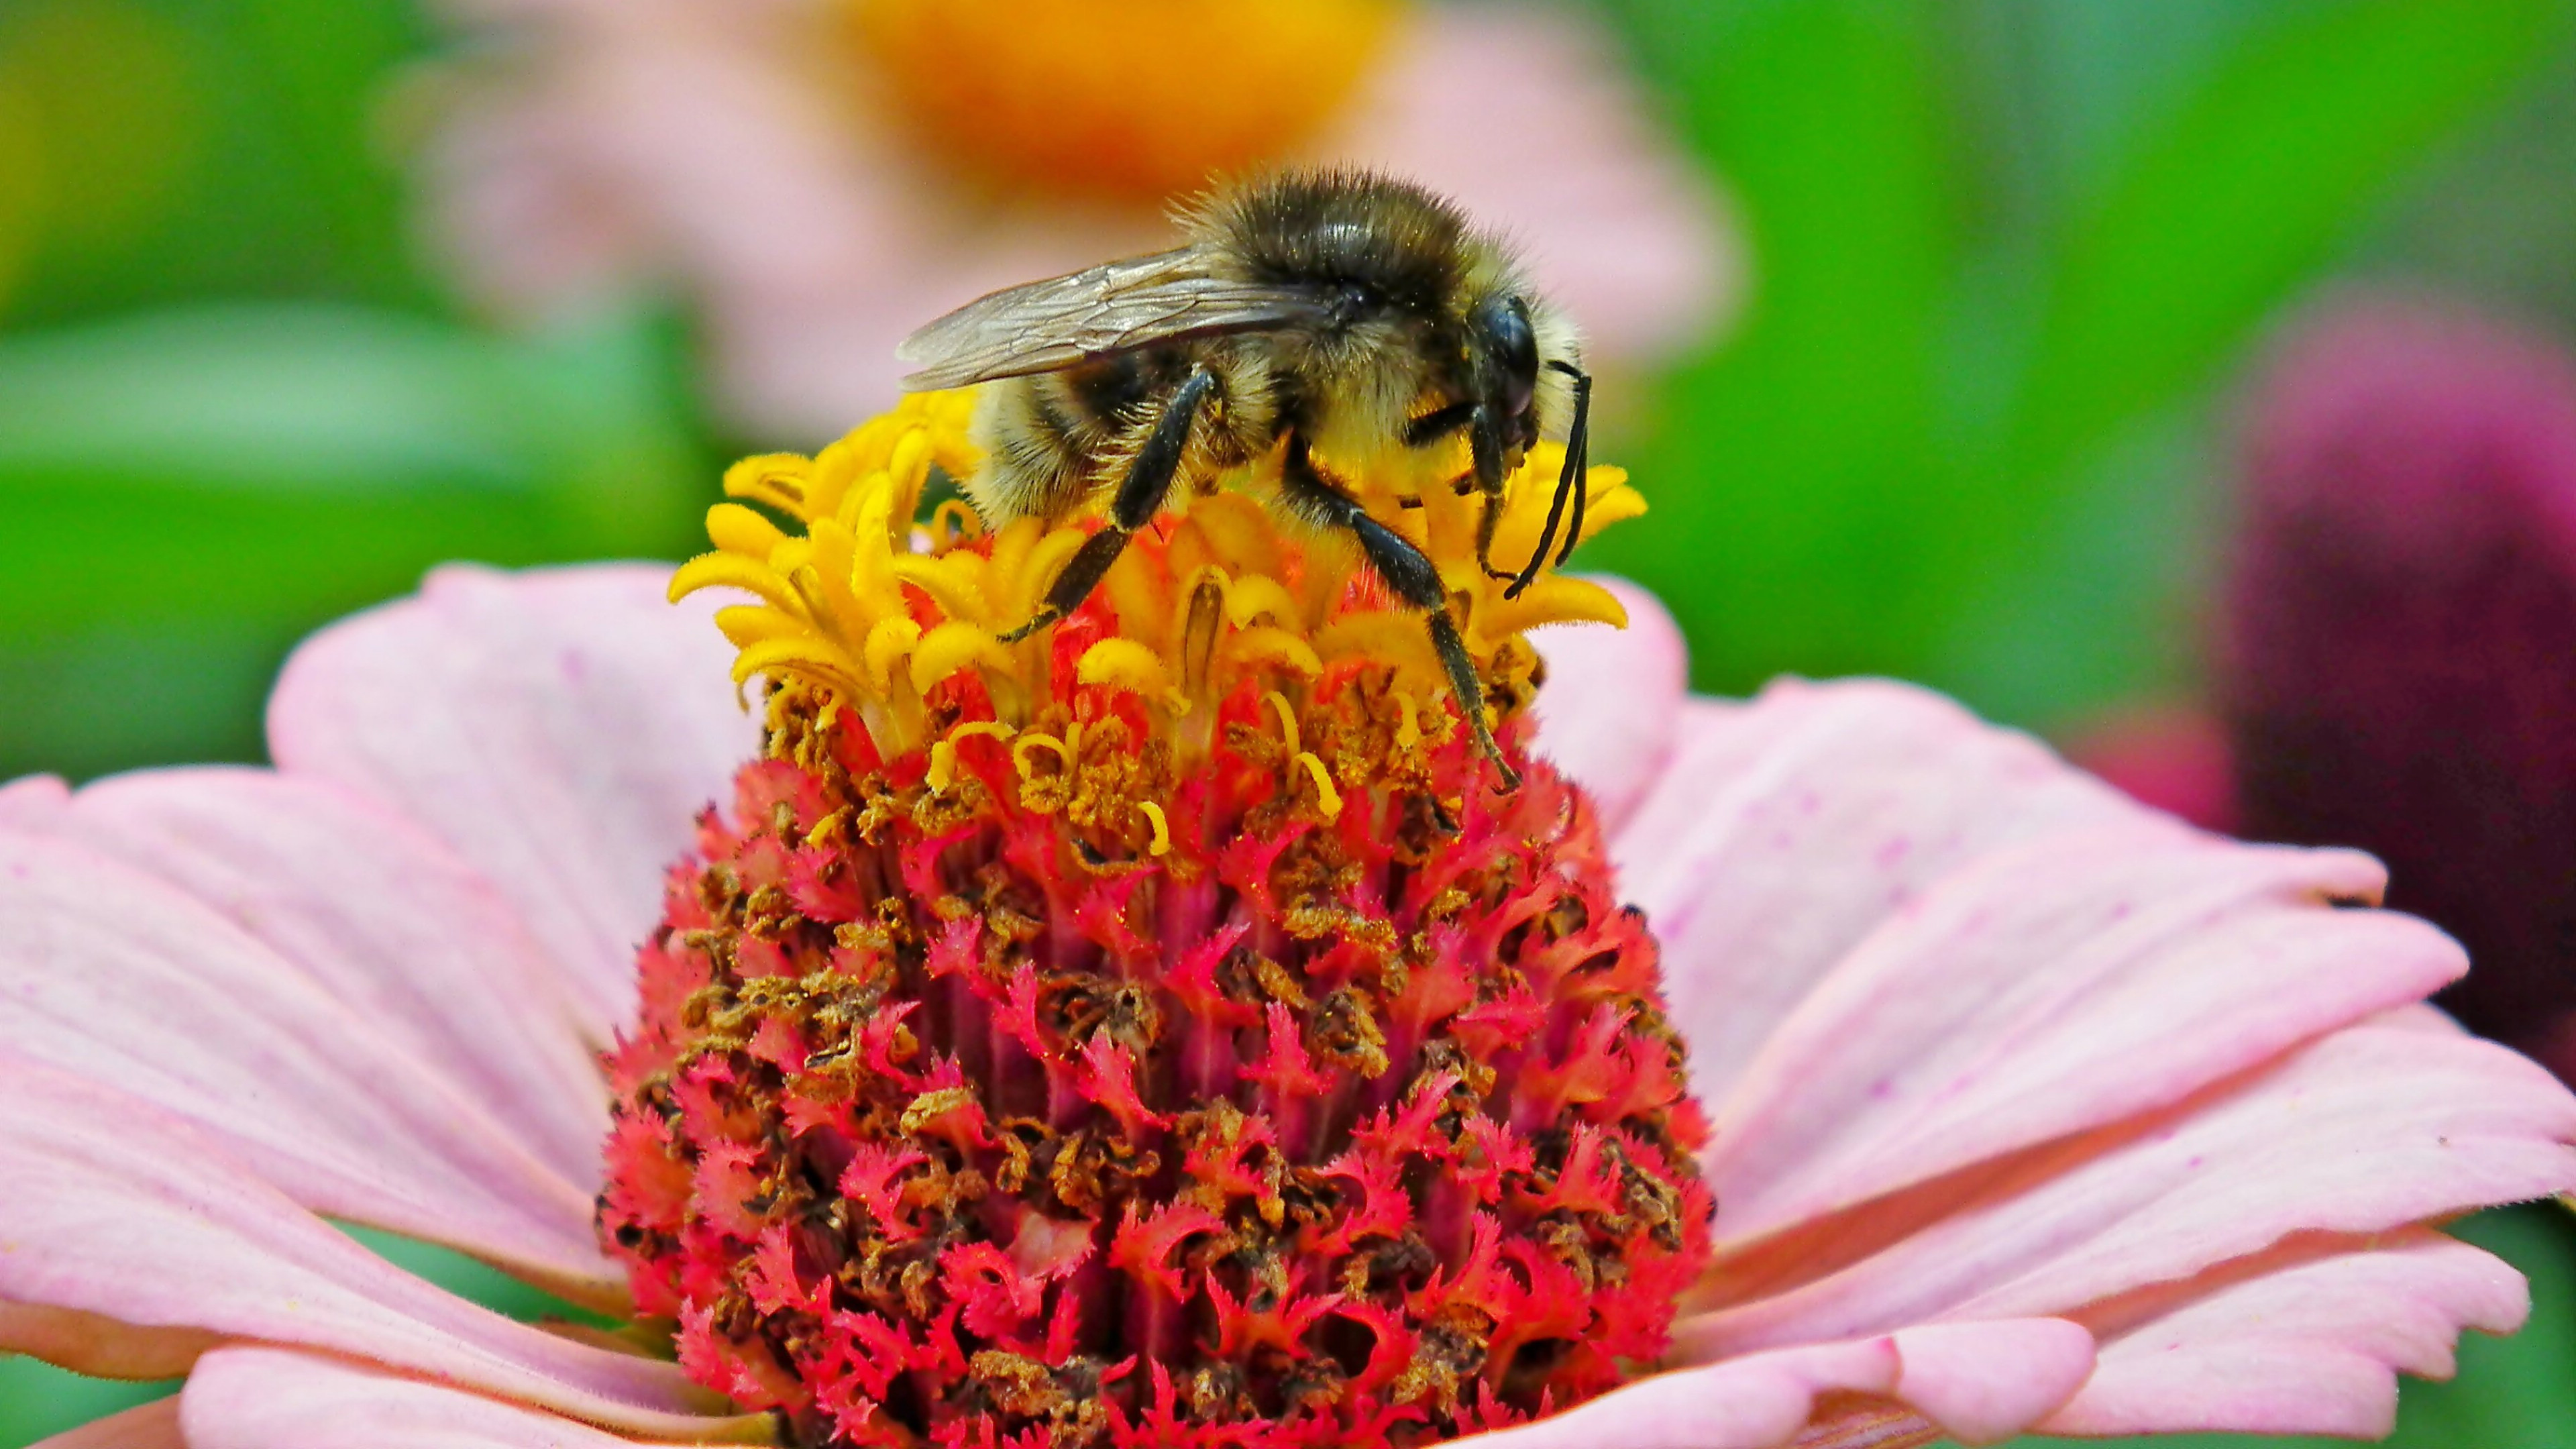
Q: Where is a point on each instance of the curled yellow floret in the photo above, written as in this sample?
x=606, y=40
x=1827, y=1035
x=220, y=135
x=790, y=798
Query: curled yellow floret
x=882, y=595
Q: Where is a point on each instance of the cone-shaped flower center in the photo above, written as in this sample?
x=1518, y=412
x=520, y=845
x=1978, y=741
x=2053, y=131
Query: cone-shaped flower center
x=1160, y=1030
x=1109, y=98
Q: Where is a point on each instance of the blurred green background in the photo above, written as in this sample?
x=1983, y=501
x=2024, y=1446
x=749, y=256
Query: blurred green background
x=2006, y=258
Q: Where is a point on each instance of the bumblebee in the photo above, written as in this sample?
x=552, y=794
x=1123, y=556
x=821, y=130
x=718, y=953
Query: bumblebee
x=1345, y=313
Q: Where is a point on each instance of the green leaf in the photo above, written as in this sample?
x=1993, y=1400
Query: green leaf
x=188, y=492
x=1783, y=469
x=2251, y=182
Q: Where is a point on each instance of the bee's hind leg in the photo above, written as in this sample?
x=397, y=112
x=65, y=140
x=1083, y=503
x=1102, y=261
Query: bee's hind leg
x=1140, y=496
x=1410, y=574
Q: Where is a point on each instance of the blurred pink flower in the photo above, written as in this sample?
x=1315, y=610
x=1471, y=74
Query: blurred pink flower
x=2170, y=755
x=2398, y=661
x=2032, y=1109
x=727, y=148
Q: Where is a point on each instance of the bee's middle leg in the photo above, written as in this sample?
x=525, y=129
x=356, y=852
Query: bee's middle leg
x=1410, y=574
x=1140, y=496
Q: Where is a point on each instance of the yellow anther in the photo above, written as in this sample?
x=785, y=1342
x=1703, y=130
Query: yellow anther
x=732, y=571
x=824, y=827
x=1409, y=733
x=943, y=755
x=951, y=647
x=748, y=624
x=777, y=479
x=739, y=530
x=960, y=521
x=890, y=641
x=949, y=580
x=1327, y=799
x=1248, y=598
x=1162, y=843
x=1125, y=664
x=1265, y=644
x=1035, y=740
x=1287, y=719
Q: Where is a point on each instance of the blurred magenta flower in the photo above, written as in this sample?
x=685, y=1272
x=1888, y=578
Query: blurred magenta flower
x=2026, y=1108
x=2398, y=662
x=818, y=177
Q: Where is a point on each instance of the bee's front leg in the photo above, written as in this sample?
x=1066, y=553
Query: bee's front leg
x=1410, y=574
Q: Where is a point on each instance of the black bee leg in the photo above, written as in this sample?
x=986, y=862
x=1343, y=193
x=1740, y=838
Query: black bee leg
x=1574, y=483
x=1409, y=574
x=1140, y=496
x=1485, y=446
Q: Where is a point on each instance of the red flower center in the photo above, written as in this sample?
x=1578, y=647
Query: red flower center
x=1159, y=1031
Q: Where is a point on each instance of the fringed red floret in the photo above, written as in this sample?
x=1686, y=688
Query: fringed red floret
x=962, y=1116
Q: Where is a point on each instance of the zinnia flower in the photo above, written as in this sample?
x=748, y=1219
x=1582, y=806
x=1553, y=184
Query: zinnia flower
x=1163, y=1030
x=2395, y=667
x=810, y=173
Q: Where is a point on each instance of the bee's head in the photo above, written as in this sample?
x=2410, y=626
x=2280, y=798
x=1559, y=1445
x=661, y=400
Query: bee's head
x=1502, y=350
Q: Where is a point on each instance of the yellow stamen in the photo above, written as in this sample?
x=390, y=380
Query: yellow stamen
x=904, y=623
x=943, y=755
x=1327, y=799
x=1162, y=843
x=1287, y=719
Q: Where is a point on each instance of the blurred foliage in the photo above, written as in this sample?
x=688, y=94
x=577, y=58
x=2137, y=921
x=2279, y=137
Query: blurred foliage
x=2004, y=252
x=2000, y=250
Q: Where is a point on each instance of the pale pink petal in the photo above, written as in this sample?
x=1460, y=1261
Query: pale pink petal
x=145, y=1426
x=559, y=729
x=2046, y=987
x=31, y=800
x=1980, y=1382
x=1986, y=1382
x=1781, y=833
x=382, y=917
x=1613, y=699
x=119, y=1210
x=2306, y=1347
x=266, y=1398
x=118, y=977
x=1523, y=116
x=1752, y=1402
x=2363, y=1132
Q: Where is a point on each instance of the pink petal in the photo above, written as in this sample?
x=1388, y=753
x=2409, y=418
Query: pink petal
x=266, y=1398
x=2306, y=1347
x=1524, y=117
x=382, y=917
x=559, y=729
x=30, y=800
x=1613, y=699
x=1783, y=832
x=2363, y=1132
x=1980, y=1382
x=120, y=1210
x=1986, y=1382
x=145, y=1426
x=1759, y=1400
x=2045, y=987
x=117, y=977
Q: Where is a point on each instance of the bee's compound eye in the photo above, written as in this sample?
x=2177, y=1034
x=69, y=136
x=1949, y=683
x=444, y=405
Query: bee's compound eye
x=1504, y=329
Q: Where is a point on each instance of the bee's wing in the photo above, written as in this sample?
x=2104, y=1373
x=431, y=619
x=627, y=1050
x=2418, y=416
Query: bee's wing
x=1111, y=308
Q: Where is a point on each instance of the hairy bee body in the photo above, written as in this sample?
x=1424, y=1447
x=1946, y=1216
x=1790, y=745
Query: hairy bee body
x=1404, y=273
x=1322, y=315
